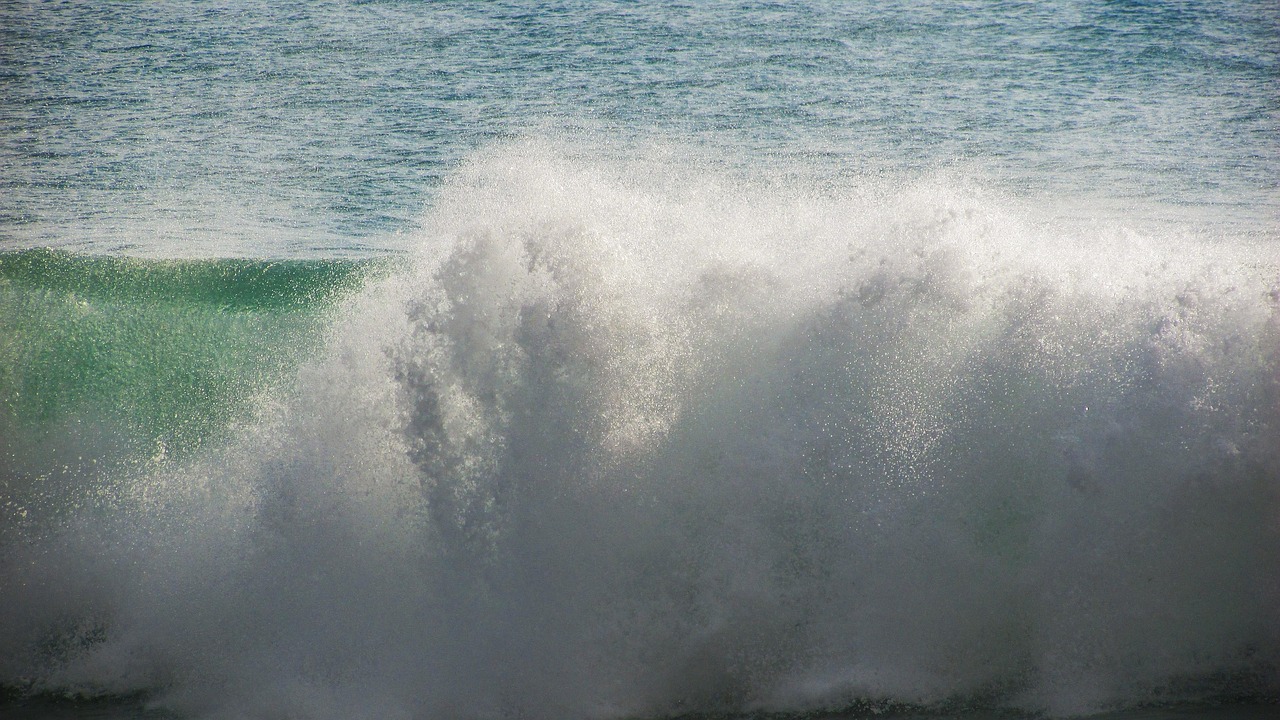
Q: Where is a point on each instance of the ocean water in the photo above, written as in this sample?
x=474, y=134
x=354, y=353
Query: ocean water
x=640, y=360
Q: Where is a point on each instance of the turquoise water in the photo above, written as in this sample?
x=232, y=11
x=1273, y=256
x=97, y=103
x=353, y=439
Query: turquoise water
x=604, y=360
x=113, y=361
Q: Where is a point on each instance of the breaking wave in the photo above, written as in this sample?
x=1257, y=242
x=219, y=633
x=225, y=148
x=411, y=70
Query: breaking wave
x=632, y=438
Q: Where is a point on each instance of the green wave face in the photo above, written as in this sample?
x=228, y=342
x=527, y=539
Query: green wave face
x=109, y=359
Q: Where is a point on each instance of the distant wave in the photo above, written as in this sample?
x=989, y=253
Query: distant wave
x=626, y=438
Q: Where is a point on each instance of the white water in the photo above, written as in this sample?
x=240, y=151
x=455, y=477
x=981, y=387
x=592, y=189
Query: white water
x=641, y=437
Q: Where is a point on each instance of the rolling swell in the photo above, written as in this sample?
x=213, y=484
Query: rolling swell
x=627, y=440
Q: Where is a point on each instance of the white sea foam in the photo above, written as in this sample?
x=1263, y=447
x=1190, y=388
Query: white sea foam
x=627, y=438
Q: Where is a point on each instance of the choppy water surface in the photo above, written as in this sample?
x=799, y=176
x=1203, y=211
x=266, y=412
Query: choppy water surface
x=321, y=128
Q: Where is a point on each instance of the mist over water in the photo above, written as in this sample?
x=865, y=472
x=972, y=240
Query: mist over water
x=633, y=438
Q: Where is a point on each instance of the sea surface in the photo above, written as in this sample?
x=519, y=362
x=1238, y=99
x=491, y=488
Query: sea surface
x=596, y=360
